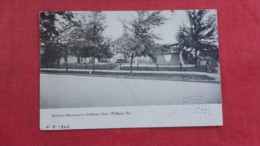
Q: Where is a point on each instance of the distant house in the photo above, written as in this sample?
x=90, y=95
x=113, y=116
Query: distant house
x=115, y=57
x=74, y=60
x=137, y=59
x=142, y=59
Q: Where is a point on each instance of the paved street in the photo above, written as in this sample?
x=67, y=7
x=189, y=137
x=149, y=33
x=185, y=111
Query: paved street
x=71, y=91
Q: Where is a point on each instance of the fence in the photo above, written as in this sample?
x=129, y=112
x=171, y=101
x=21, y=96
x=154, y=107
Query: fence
x=98, y=66
x=158, y=67
x=127, y=66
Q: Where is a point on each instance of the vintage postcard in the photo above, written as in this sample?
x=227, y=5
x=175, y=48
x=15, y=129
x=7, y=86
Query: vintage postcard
x=129, y=69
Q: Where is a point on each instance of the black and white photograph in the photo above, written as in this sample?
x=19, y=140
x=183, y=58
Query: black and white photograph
x=129, y=69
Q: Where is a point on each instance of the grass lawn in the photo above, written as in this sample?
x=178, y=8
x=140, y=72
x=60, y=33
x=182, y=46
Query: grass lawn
x=170, y=77
x=141, y=75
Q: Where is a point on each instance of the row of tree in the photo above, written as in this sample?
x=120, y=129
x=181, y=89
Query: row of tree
x=67, y=33
x=63, y=35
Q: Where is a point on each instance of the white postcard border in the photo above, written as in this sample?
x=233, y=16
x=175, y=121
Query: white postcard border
x=131, y=117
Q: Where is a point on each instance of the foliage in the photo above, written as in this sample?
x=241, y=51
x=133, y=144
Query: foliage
x=87, y=40
x=139, y=34
x=201, y=34
x=51, y=29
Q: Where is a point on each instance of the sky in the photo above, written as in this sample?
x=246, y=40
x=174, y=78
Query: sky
x=167, y=32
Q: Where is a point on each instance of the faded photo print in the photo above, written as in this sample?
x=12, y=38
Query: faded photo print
x=91, y=59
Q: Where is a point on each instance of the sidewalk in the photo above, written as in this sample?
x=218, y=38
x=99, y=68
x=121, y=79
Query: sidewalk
x=216, y=76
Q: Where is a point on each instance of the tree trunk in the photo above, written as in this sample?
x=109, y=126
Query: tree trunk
x=154, y=60
x=131, y=63
x=58, y=62
x=66, y=59
x=93, y=64
x=196, y=57
x=51, y=62
x=78, y=59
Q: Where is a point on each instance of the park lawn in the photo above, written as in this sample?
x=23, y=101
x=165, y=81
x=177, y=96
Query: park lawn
x=151, y=76
x=138, y=75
